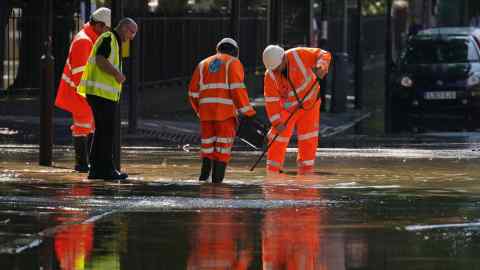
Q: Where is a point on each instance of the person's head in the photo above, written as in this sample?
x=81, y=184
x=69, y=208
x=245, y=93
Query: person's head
x=274, y=58
x=127, y=29
x=228, y=46
x=100, y=20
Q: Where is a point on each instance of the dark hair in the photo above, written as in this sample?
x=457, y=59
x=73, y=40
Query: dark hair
x=228, y=49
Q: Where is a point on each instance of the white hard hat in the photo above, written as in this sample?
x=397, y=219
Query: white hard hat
x=227, y=41
x=103, y=14
x=272, y=56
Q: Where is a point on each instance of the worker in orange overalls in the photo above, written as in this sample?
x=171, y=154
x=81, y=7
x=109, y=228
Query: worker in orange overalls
x=291, y=92
x=292, y=235
x=67, y=97
x=217, y=92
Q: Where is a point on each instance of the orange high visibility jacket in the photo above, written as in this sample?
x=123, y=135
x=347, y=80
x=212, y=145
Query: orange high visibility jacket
x=79, y=52
x=282, y=94
x=217, y=91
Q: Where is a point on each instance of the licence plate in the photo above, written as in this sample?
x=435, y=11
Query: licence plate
x=440, y=95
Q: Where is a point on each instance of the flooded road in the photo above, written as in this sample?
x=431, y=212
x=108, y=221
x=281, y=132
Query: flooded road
x=384, y=208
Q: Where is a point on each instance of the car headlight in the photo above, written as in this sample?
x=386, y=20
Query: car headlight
x=473, y=80
x=406, y=81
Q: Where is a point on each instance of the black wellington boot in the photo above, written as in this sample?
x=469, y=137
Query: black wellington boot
x=218, y=173
x=81, y=153
x=206, y=168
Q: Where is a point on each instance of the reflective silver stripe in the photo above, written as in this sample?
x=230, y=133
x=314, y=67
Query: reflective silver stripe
x=274, y=117
x=68, y=81
x=216, y=100
x=200, y=69
x=300, y=63
x=307, y=79
x=225, y=140
x=194, y=95
x=306, y=162
x=83, y=35
x=307, y=136
x=321, y=62
x=237, y=85
x=245, y=109
x=272, y=75
x=209, y=140
x=207, y=150
x=273, y=163
x=302, y=87
x=272, y=99
x=222, y=86
x=213, y=86
x=287, y=105
x=78, y=70
x=227, y=67
x=279, y=138
x=101, y=86
x=223, y=150
x=82, y=125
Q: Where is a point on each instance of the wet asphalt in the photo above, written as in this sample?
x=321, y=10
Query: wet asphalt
x=408, y=207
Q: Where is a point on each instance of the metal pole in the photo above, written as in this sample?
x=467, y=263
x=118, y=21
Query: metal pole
x=275, y=26
x=359, y=59
x=46, y=92
x=309, y=22
x=388, y=65
x=235, y=20
x=117, y=14
x=134, y=86
x=345, y=27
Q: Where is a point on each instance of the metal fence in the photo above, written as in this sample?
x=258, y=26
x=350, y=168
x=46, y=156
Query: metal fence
x=22, y=50
x=170, y=48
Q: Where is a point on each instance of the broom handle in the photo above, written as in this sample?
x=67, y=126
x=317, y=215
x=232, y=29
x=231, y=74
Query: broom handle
x=273, y=140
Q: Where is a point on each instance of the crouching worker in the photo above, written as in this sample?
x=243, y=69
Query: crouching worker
x=292, y=102
x=217, y=92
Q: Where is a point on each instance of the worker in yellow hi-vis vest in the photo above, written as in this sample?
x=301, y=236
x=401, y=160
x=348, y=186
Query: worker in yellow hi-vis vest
x=102, y=85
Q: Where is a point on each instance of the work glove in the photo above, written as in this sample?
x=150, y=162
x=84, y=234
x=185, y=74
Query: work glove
x=251, y=131
x=257, y=123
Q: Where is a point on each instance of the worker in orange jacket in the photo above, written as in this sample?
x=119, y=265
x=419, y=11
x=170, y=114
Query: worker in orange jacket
x=217, y=93
x=291, y=93
x=67, y=97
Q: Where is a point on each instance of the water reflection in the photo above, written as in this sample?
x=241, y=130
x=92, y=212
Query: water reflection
x=220, y=239
x=73, y=242
x=291, y=236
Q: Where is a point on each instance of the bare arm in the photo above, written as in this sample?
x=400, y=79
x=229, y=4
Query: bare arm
x=107, y=67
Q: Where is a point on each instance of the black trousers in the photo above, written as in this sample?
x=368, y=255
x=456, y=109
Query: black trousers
x=101, y=153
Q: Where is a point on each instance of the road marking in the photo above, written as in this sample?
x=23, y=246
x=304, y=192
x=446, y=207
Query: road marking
x=440, y=226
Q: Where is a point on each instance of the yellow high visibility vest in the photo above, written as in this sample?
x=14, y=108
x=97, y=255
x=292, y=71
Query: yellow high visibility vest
x=97, y=82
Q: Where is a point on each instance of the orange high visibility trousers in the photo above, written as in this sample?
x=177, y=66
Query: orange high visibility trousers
x=83, y=122
x=217, y=138
x=306, y=123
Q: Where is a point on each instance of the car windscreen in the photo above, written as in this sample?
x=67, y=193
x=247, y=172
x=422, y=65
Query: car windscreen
x=426, y=50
